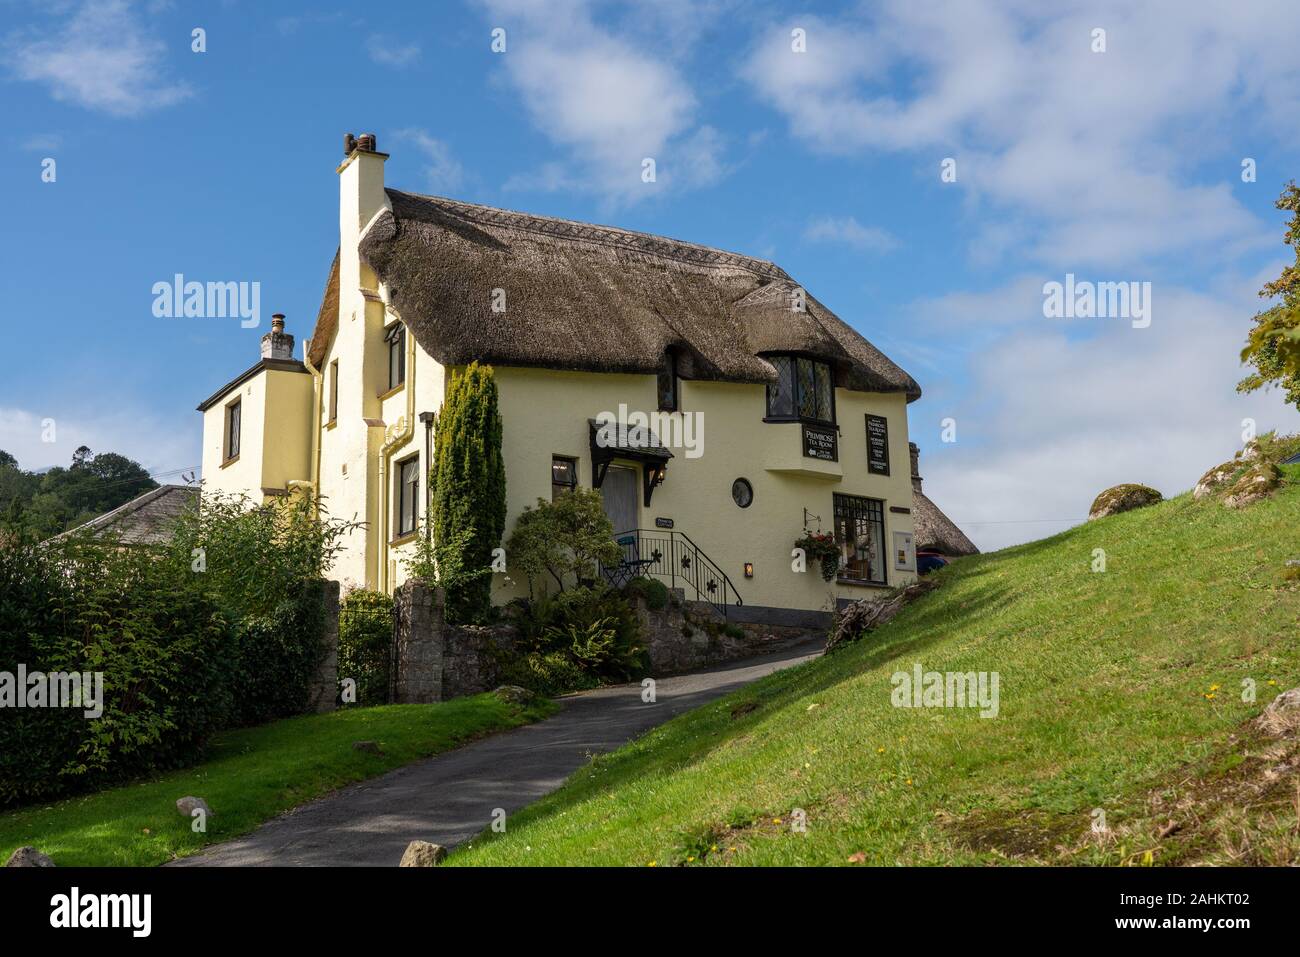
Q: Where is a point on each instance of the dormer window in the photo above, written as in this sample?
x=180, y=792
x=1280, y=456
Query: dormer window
x=804, y=390
x=667, y=383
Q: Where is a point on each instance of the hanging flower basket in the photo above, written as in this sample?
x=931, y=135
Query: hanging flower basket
x=822, y=548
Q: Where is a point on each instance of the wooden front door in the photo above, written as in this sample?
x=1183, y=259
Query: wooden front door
x=618, y=492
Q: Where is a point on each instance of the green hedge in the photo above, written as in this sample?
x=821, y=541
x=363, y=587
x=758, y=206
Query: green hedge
x=163, y=647
x=365, y=643
x=277, y=656
x=176, y=663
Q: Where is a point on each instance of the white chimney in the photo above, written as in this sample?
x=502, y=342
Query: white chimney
x=277, y=344
x=361, y=192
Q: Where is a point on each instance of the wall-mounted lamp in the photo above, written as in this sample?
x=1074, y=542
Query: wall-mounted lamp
x=749, y=569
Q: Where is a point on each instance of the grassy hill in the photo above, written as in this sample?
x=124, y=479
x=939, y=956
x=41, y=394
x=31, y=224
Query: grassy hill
x=1119, y=690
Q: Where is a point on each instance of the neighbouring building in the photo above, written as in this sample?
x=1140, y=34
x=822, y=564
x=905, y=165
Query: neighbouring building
x=744, y=410
x=147, y=519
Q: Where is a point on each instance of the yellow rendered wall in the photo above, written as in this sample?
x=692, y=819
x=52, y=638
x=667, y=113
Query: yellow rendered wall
x=243, y=476
x=545, y=413
x=286, y=442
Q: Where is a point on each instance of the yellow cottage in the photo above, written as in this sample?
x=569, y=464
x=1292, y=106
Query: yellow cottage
x=719, y=408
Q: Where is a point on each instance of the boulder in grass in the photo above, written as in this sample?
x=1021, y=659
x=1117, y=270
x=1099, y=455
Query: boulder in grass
x=370, y=747
x=29, y=857
x=513, y=694
x=423, y=854
x=1256, y=483
x=187, y=805
x=1123, y=498
x=1282, y=716
x=1215, y=480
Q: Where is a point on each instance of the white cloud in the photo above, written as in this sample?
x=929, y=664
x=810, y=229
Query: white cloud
x=609, y=101
x=388, y=52
x=1095, y=148
x=442, y=172
x=103, y=59
x=847, y=230
x=1067, y=161
x=1057, y=410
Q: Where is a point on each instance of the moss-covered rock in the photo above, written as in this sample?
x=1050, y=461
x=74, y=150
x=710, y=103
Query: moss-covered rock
x=1255, y=483
x=1216, y=479
x=1123, y=498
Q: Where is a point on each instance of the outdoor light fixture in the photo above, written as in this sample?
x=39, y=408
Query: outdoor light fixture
x=749, y=569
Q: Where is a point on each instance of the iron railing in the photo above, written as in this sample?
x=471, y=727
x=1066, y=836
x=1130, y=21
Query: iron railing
x=674, y=559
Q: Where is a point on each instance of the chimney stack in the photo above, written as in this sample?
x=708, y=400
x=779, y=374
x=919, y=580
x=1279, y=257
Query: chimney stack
x=916, y=465
x=276, y=344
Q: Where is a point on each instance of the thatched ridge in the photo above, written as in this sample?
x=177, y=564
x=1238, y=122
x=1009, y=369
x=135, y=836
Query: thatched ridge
x=594, y=298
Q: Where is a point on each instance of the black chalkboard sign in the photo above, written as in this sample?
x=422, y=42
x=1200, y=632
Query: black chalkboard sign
x=820, y=443
x=877, y=444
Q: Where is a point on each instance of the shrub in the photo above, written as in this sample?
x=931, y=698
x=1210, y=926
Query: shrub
x=365, y=643
x=251, y=556
x=583, y=612
x=162, y=646
x=277, y=656
x=578, y=639
x=565, y=539
x=444, y=566
x=469, y=488
x=221, y=626
x=652, y=590
x=547, y=673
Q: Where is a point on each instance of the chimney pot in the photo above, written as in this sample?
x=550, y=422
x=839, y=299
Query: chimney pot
x=366, y=141
x=276, y=344
x=349, y=144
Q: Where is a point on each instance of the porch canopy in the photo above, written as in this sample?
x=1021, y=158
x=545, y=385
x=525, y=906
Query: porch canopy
x=612, y=440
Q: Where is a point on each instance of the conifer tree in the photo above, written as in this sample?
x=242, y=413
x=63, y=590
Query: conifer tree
x=469, y=489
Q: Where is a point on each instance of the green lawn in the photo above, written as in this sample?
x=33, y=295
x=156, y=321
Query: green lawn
x=249, y=777
x=1106, y=702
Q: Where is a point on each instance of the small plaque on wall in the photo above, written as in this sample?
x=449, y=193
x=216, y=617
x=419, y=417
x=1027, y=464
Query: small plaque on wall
x=820, y=443
x=663, y=523
x=877, y=445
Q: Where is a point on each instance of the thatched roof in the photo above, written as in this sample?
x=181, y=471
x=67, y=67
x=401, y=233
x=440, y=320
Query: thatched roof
x=934, y=531
x=594, y=298
x=145, y=520
x=327, y=320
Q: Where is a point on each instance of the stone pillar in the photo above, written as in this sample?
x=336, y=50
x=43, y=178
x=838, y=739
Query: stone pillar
x=325, y=686
x=418, y=621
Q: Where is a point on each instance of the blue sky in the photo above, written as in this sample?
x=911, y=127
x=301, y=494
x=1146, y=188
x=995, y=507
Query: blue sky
x=1122, y=165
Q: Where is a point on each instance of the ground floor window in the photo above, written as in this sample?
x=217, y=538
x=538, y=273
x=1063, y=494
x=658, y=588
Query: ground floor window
x=860, y=530
x=564, y=476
